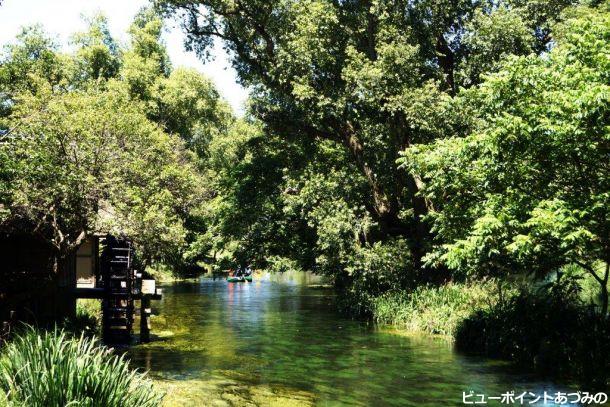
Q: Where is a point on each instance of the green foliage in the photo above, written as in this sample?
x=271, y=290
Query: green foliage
x=146, y=61
x=501, y=109
x=190, y=106
x=50, y=369
x=372, y=270
x=434, y=310
x=492, y=37
x=74, y=153
x=549, y=331
x=367, y=79
x=33, y=55
x=87, y=319
x=527, y=189
x=107, y=138
x=97, y=55
x=278, y=264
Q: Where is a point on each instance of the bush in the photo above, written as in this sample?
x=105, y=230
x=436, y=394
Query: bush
x=87, y=319
x=433, y=310
x=549, y=331
x=41, y=369
x=373, y=270
x=279, y=264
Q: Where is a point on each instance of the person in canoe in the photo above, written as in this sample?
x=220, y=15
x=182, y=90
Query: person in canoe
x=240, y=275
x=248, y=273
x=237, y=276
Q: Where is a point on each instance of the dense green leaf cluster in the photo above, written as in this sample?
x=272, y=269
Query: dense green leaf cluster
x=527, y=188
x=103, y=139
x=369, y=77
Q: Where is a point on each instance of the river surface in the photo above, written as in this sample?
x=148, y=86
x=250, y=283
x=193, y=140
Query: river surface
x=281, y=343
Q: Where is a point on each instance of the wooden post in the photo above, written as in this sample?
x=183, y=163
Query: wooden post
x=145, y=319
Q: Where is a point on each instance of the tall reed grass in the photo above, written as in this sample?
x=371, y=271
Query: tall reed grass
x=434, y=310
x=48, y=369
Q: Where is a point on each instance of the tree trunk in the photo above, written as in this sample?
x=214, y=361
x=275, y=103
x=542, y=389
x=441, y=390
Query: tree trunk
x=62, y=302
x=420, y=232
x=604, y=290
x=387, y=206
x=446, y=61
x=382, y=206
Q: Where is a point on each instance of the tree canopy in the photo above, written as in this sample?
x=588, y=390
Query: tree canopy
x=99, y=140
x=527, y=189
x=371, y=76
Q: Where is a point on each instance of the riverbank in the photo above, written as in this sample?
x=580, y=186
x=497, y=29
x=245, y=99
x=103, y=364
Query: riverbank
x=433, y=310
x=164, y=274
x=553, y=329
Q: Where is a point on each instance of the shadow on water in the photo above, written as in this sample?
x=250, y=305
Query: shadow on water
x=282, y=343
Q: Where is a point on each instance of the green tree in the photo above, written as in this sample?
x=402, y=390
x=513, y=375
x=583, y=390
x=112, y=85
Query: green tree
x=32, y=57
x=370, y=76
x=89, y=161
x=189, y=105
x=97, y=54
x=83, y=150
x=527, y=190
x=146, y=60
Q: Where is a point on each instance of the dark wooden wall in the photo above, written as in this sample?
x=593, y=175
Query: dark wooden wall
x=29, y=290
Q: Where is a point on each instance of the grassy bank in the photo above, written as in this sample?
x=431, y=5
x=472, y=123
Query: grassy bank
x=551, y=331
x=554, y=328
x=433, y=310
x=42, y=369
x=165, y=274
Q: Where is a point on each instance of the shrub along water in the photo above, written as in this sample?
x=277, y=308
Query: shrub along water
x=434, y=310
x=87, y=319
x=550, y=331
x=42, y=369
x=554, y=328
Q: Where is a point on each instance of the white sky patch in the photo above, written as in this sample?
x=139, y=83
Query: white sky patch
x=62, y=18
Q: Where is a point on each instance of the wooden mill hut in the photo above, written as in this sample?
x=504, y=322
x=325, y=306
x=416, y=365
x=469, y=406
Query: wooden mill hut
x=31, y=291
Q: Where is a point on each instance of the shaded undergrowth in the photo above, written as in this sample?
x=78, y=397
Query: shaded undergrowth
x=549, y=331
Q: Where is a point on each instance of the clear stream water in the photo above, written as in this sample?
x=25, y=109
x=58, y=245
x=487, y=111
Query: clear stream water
x=281, y=343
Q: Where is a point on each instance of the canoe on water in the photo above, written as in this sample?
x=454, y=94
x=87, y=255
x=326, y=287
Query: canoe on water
x=240, y=279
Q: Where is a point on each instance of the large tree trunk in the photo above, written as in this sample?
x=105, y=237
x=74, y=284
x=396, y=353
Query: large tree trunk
x=387, y=206
x=382, y=206
x=420, y=231
x=446, y=61
x=602, y=281
x=63, y=301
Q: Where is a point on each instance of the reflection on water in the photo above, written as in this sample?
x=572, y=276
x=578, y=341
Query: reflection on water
x=282, y=343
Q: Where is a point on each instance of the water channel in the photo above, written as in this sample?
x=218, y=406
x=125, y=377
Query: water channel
x=279, y=341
